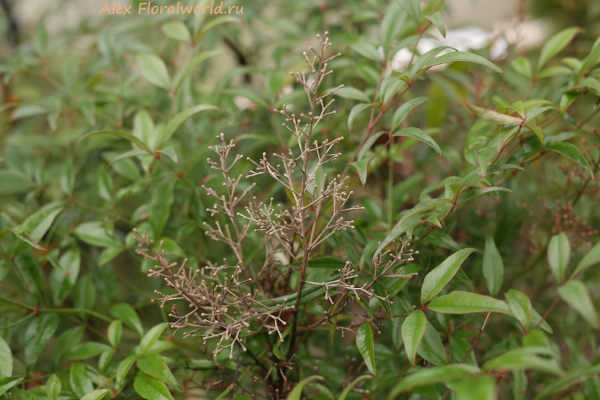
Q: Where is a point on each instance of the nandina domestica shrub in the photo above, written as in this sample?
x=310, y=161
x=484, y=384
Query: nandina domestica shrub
x=182, y=217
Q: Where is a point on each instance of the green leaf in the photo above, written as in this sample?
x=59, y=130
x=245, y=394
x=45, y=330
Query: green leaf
x=381, y=291
x=366, y=50
x=53, y=387
x=391, y=26
x=494, y=116
x=520, y=306
x=122, y=135
x=109, y=253
x=522, y=66
x=571, y=378
x=484, y=158
x=413, y=9
x=115, y=330
x=127, y=313
x=536, y=318
x=151, y=337
x=65, y=342
x=559, y=253
x=296, y=392
x=154, y=69
x=357, y=109
x=105, y=359
x=403, y=111
x=439, y=277
x=95, y=234
x=482, y=387
x=349, y=388
x=352, y=93
x=493, y=268
x=576, y=294
x=536, y=130
x=170, y=152
x=462, y=56
x=178, y=31
x=524, y=358
x=123, y=369
x=30, y=273
x=406, y=221
x=80, y=382
x=38, y=333
x=95, y=395
x=555, y=44
x=592, y=257
x=430, y=376
x=418, y=134
x=569, y=150
x=432, y=348
x=6, y=359
x=183, y=116
x=160, y=206
x=9, y=382
x=184, y=72
x=64, y=275
x=413, y=329
x=216, y=22
x=331, y=263
x=436, y=19
x=361, y=169
x=151, y=388
x=154, y=365
x=466, y=303
x=366, y=345
x=86, y=350
x=38, y=223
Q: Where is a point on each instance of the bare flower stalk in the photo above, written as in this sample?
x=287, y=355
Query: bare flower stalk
x=230, y=302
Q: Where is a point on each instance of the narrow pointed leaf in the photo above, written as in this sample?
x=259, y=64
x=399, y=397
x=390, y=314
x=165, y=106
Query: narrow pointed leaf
x=413, y=329
x=38, y=333
x=430, y=376
x=466, y=303
x=296, y=392
x=439, y=277
x=418, y=134
x=569, y=150
x=403, y=111
x=576, y=294
x=559, y=253
x=520, y=306
x=494, y=116
x=122, y=135
x=151, y=388
x=493, y=268
x=182, y=117
x=366, y=345
x=357, y=109
x=154, y=69
x=524, y=358
x=555, y=44
x=432, y=348
x=592, y=257
x=352, y=93
x=462, y=56
x=155, y=366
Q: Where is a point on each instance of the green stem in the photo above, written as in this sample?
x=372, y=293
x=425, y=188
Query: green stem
x=17, y=322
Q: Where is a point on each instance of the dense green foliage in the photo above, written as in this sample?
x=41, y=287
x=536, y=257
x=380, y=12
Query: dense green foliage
x=485, y=170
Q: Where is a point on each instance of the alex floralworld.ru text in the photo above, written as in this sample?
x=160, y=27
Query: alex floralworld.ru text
x=148, y=8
